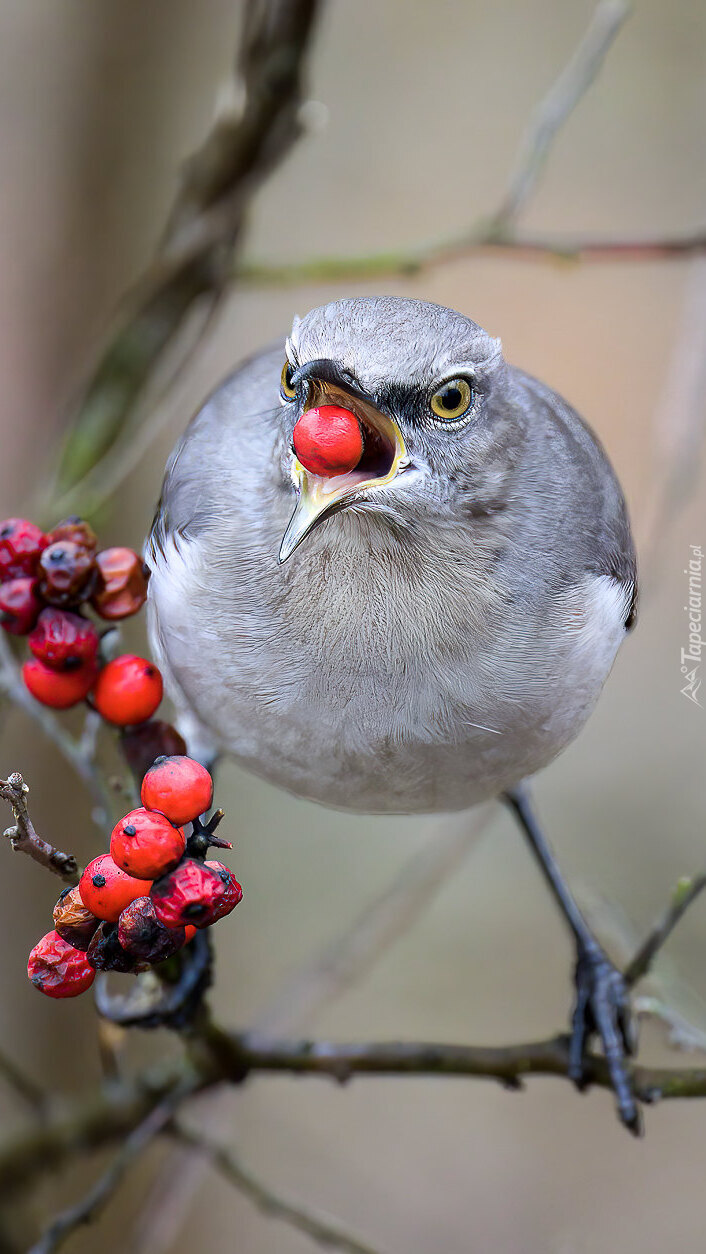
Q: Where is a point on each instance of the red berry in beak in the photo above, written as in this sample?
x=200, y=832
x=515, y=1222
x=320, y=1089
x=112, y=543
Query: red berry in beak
x=328, y=441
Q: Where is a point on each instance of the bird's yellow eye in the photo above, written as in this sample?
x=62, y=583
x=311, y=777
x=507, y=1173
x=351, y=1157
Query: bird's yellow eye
x=452, y=400
x=285, y=383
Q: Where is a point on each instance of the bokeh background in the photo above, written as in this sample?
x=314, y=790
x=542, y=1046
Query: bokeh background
x=424, y=107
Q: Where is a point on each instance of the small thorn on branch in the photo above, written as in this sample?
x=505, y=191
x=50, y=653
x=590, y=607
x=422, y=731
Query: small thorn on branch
x=24, y=839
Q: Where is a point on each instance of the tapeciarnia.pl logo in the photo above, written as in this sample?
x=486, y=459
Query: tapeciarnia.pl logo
x=691, y=657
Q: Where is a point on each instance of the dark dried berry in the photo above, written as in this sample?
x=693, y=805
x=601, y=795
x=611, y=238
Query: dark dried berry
x=122, y=583
x=142, y=745
x=105, y=953
x=63, y=640
x=73, y=921
x=20, y=546
x=142, y=935
x=19, y=605
x=67, y=572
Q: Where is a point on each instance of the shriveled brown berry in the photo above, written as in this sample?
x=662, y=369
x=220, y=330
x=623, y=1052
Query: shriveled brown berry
x=76, y=530
x=67, y=571
x=105, y=953
x=73, y=921
x=142, y=935
x=121, y=588
x=142, y=744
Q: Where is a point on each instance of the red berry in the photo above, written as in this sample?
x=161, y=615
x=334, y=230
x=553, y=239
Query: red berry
x=142, y=935
x=21, y=544
x=189, y=932
x=67, y=570
x=58, y=969
x=106, y=890
x=59, y=689
x=233, y=892
x=146, y=845
x=178, y=787
x=327, y=440
x=128, y=690
x=142, y=745
x=122, y=587
x=63, y=640
x=191, y=893
x=19, y=605
x=73, y=921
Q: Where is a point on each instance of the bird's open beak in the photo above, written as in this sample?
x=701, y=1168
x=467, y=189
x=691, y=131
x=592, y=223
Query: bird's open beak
x=384, y=456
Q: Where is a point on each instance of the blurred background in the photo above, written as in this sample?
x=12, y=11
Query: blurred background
x=423, y=106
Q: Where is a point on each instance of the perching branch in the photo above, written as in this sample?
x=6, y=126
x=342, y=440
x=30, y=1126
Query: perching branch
x=322, y=1229
x=24, y=838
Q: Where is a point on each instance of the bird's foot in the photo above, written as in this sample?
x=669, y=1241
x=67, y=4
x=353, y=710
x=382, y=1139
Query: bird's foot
x=603, y=1007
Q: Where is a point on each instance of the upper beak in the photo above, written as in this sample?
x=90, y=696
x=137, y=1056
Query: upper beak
x=384, y=455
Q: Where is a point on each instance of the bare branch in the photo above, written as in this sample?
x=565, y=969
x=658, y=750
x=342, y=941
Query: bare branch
x=85, y=1211
x=481, y=240
x=322, y=1229
x=558, y=105
x=105, y=1117
x=24, y=838
x=219, y=183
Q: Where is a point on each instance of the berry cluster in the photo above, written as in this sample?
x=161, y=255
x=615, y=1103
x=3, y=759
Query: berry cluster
x=46, y=584
x=140, y=903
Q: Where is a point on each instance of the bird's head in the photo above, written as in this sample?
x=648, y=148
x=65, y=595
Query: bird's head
x=394, y=406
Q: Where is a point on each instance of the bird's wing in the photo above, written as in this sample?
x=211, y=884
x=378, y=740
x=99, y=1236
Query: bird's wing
x=575, y=485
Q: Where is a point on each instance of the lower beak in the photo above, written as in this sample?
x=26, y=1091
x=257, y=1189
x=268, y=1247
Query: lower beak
x=384, y=456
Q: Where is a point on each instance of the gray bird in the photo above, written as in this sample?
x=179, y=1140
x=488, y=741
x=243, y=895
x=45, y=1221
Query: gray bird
x=415, y=632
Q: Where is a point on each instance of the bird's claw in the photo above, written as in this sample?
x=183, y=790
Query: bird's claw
x=603, y=1007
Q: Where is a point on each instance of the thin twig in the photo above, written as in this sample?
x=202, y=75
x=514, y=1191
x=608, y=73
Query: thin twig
x=82, y=763
x=322, y=1229
x=481, y=240
x=85, y=1211
x=24, y=838
x=686, y=892
x=558, y=105
x=31, y=1094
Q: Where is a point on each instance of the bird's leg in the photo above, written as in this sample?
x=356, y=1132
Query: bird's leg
x=602, y=997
